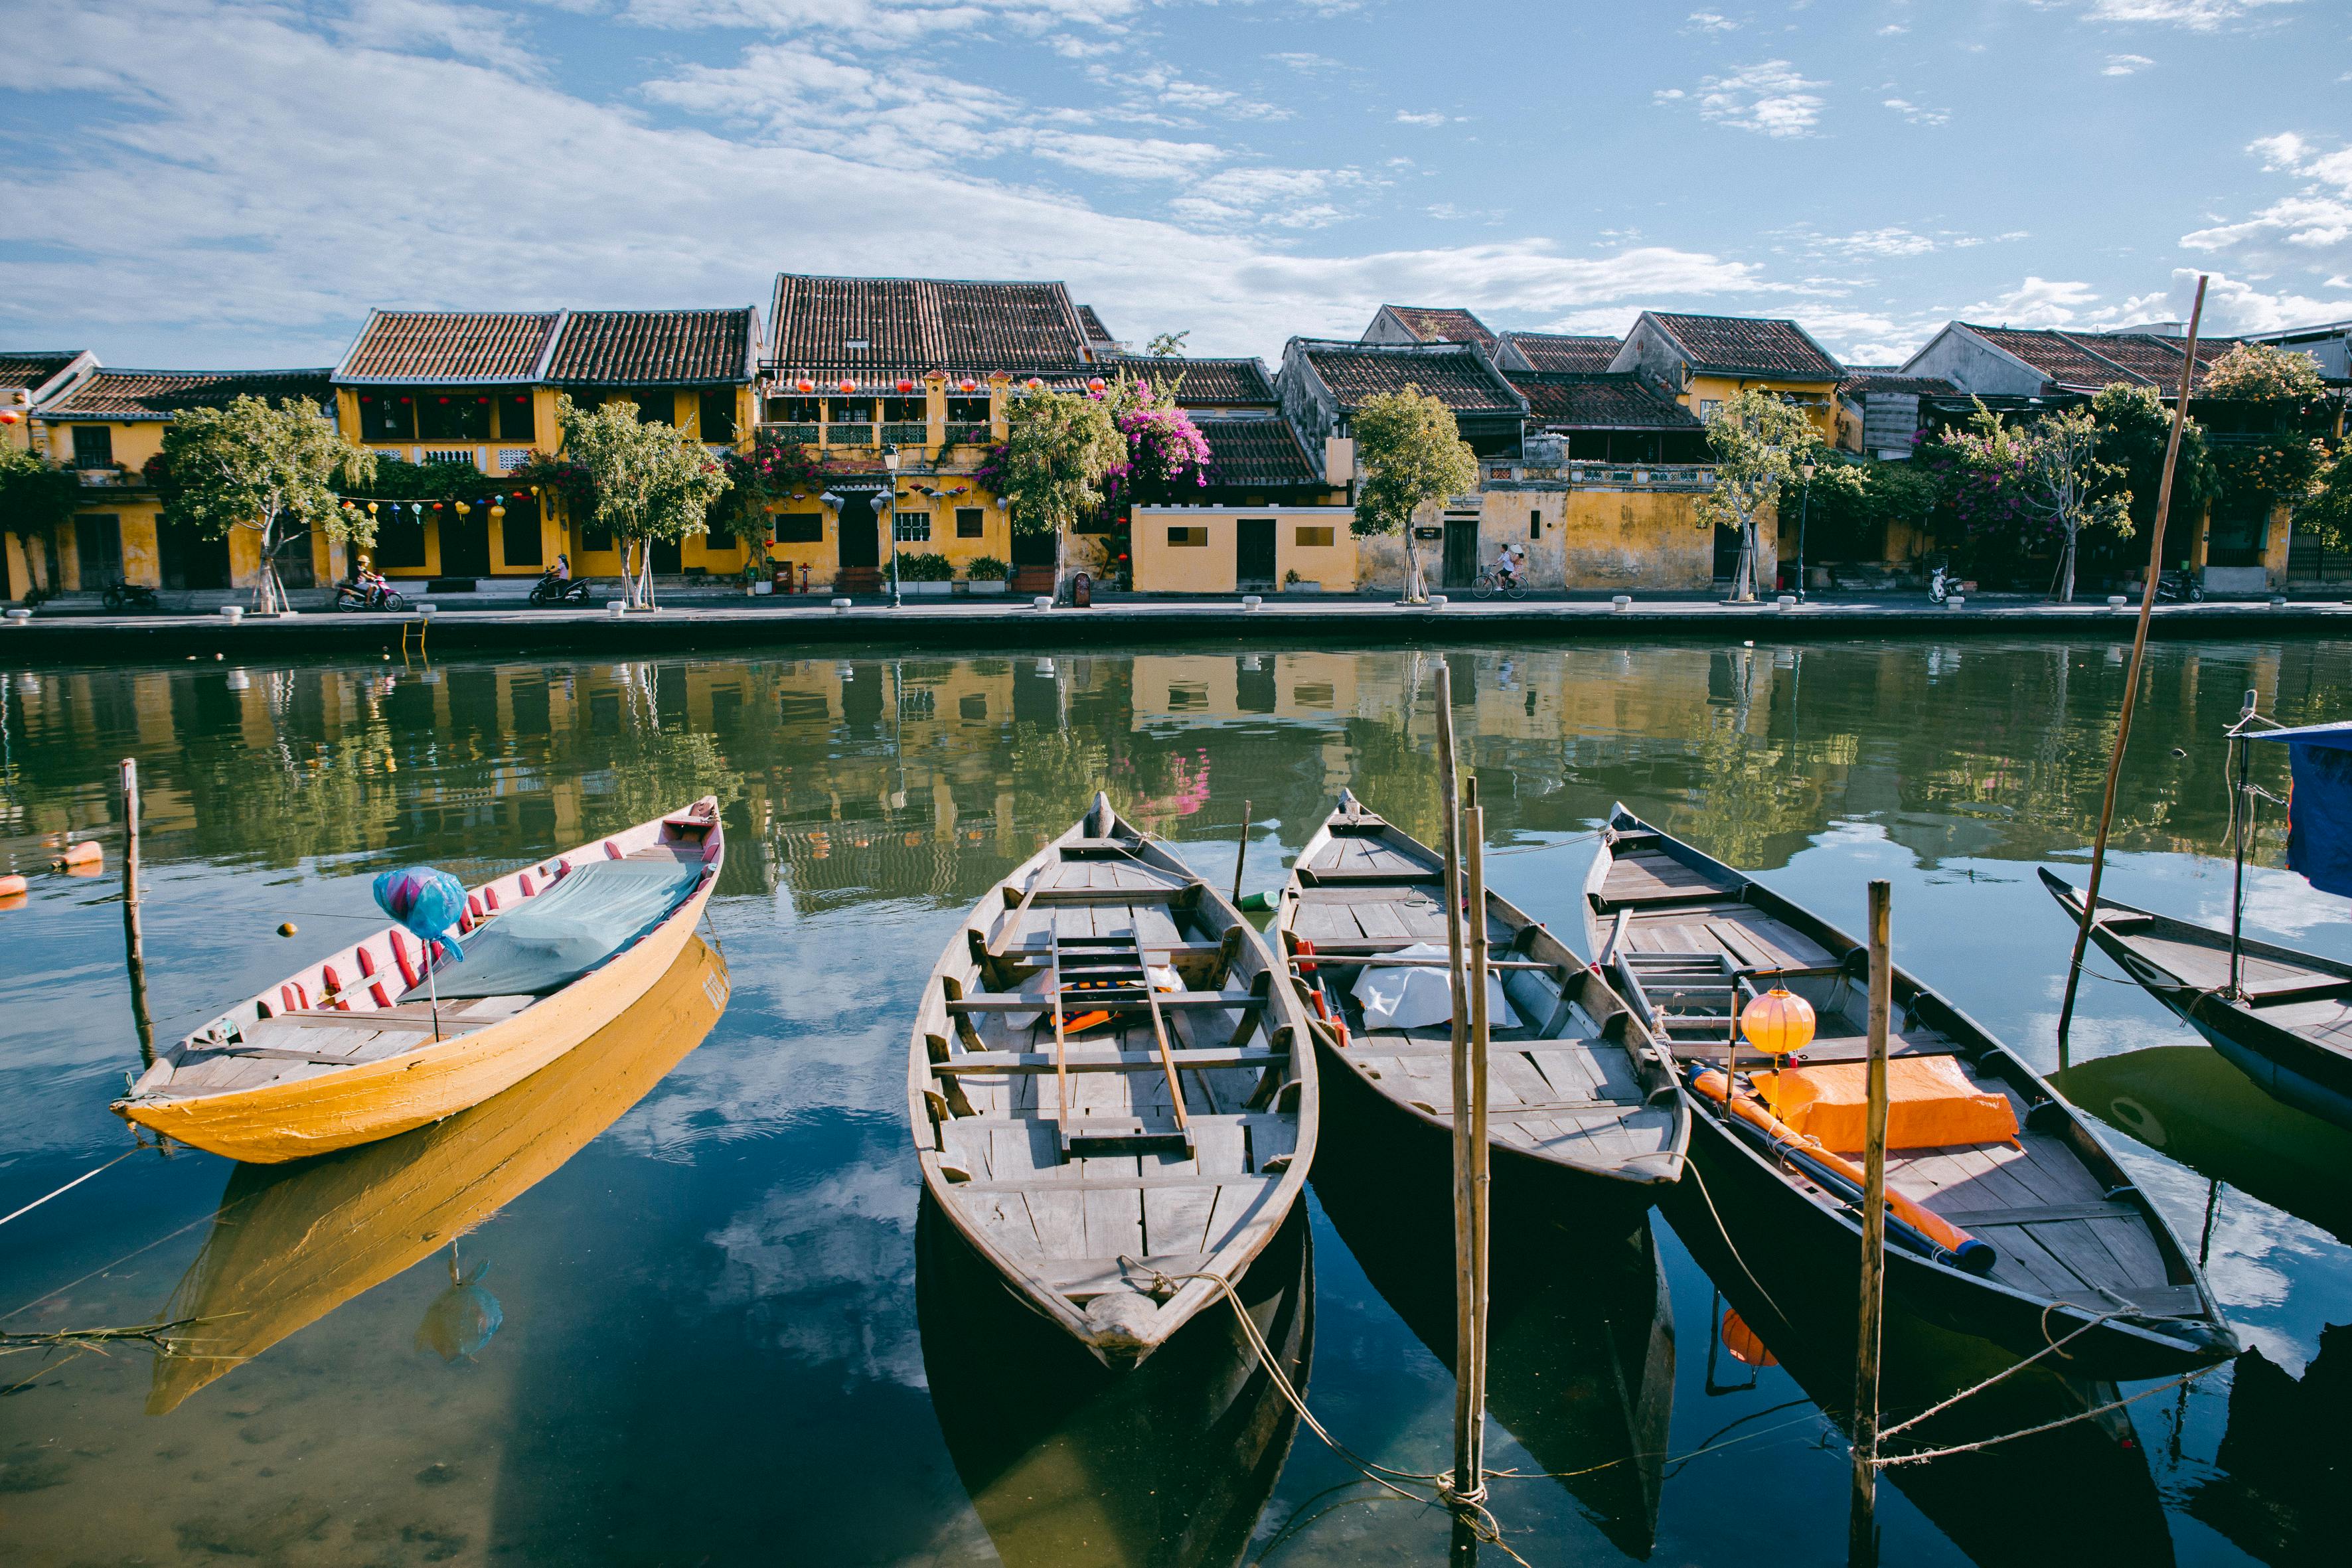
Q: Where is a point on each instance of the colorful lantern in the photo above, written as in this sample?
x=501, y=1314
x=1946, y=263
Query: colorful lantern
x=970, y=384
x=905, y=386
x=1095, y=384
x=423, y=898
x=371, y=509
x=847, y=386
x=1035, y=384
x=497, y=511
x=463, y=509
x=1778, y=1023
x=804, y=385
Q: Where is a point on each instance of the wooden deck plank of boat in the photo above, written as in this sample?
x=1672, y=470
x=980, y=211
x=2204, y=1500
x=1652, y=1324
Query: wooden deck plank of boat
x=2208, y=968
x=1652, y=874
x=1688, y=929
x=2326, y=1024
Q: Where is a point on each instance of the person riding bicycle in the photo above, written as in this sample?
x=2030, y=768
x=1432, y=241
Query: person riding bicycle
x=1507, y=564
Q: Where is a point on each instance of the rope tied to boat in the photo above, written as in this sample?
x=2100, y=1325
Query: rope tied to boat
x=78, y=1180
x=1885, y=1461
x=1467, y=1508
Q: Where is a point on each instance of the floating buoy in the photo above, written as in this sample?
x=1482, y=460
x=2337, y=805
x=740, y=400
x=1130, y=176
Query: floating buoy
x=1259, y=901
x=13, y=886
x=286, y=929
x=86, y=853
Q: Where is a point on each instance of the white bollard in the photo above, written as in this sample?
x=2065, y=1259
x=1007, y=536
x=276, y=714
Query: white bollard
x=1042, y=602
x=2116, y=600
x=2278, y=601
x=841, y=606
x=18, y=617
x=426, y=609
x=231, y=614
x=1437, y=601
x=1250, y=602
x=1619, y=603
x=1785, y=602
x=1954, y=602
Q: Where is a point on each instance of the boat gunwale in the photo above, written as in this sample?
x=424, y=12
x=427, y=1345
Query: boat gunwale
x=1644, y=1062
x=1232, y=1262
x=2084, y=1143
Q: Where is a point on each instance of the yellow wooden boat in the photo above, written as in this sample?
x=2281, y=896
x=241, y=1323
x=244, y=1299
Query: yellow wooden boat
x=290, y=1244
x=350, y=1049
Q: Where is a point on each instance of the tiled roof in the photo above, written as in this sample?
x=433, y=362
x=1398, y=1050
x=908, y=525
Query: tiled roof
x=1443, y=324
x=1252, y=452
x=1563, y=351
x=2156, y=358
x=1598, y=402
x=917, y=324
x=1205, y=380
x=34, y=367
x=160, y=393
x=1743, y=345
x=649, y=348
x=1456, y=375
x=1092, y=325
x=1876, y=379
x=2058, y=357
x=473, y=346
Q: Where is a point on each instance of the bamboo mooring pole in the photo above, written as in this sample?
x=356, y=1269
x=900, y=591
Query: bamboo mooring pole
x=1241, y=854
x=1862, y=1531
x=135, y=946
x=2131, y=686
x=1467, y=1482
x=1474, y=915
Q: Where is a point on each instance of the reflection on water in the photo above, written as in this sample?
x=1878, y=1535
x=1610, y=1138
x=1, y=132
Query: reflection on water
x=662, y=1303
x=1067, y=1462
x=291, y=1242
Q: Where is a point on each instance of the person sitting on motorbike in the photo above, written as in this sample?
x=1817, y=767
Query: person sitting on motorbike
x=562, y=567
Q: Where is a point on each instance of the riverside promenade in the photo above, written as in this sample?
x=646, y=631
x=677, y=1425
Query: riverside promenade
x=1000, y=626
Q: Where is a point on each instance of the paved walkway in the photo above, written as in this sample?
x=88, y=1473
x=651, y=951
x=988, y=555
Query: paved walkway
x=998, y=626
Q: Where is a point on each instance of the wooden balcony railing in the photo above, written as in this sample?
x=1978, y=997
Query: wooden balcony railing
x=907, y=435
x=849, y=435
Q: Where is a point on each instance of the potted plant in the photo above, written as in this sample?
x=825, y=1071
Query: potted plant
x=986, y=574
x=927, y=572
x=1292, y=582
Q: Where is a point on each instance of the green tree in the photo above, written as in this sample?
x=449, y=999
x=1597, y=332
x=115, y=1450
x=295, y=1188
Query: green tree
x=272, y=470
x=2045, y=478
x=2326, y=511
x=1757, y=442
x=1057, y=448
x=35, y=495
x=1169, y=345
x=651, y=482
x=1855, y=504
x=2262, y=374
x=1410, y=451
x=2135, y=430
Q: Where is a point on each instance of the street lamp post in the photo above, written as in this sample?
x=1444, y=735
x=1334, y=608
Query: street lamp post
x=890, y=483
x=1804, y=508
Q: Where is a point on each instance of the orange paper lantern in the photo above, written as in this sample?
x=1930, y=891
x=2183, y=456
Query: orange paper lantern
x=1779, y=1022
x=905, y=386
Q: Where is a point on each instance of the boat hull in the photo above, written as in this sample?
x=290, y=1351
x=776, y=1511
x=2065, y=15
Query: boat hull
x=383, y=1098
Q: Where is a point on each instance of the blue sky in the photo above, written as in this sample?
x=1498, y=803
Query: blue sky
x=196, y=182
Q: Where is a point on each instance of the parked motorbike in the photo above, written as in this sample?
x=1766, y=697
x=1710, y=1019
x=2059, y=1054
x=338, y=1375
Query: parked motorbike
x=551, y=590
x=1941, y=583
x=2180, y=587
x=374, y=593
x=130, y=597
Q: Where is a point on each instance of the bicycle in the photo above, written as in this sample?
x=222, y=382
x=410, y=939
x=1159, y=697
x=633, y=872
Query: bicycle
x=1510, y=585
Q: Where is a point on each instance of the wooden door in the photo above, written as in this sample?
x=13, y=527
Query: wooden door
x=1461, y=567
x=1253, y=554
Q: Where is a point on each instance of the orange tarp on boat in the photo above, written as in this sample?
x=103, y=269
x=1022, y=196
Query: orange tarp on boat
x=1929, y=1102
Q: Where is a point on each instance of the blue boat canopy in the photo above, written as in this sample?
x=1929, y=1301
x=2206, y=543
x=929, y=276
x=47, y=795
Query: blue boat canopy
x=2319, y=809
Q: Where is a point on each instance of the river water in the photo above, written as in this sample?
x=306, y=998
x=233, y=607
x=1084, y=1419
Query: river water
x=675, y=1300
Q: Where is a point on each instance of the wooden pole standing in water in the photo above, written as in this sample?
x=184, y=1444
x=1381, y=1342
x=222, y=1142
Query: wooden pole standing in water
x=1468, y=1480
x=1473, y=916
x=1862, y=1531
x=2131, y=686
x=1240, y=855
x=133, y=943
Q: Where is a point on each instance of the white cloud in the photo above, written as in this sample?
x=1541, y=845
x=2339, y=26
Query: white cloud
x=2036, y=302
x=1881, y=242
x=2300, y=240
x=2197, y=15
x=1919, y=114
x=1771, y=99
x=2235, y=304
x=1710, y=22
x=2126, y=65
x=1405, y=117
x=1123, y=157
x=1893, y=30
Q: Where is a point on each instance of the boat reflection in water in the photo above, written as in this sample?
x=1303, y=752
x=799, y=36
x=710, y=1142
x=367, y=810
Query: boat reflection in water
x=2078, y=1493
x=292, y=1242
x=1580, y=1334
x=1068, y=1463
x=2188, y=1102
x=2283, y=1456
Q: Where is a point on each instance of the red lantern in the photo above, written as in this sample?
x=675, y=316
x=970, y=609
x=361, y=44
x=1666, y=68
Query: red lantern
x=444, y=400
x=8, y=417
x=804, y=385
x=1035, y=384
x=405, y=400
x=481, y=400
x=437, y=505
x=970, y=384
x=847, y=386
x=905, y=386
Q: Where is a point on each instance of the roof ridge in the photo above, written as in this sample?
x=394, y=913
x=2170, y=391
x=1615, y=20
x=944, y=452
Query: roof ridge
x=2067, y=337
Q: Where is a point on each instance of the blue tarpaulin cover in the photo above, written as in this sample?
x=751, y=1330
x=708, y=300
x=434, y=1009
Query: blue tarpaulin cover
x=2319, y=814
x=546, y=942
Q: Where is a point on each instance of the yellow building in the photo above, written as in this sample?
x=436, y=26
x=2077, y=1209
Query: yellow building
x=480, y=388
x=108, y=425
x=1241, y=549
x=898, y=387
x=1702, y=361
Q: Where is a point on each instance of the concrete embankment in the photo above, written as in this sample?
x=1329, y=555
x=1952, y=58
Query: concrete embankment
x=1001, y=628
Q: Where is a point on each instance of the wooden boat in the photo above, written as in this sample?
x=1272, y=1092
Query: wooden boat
x=1577, y=1090
x=2289, y=1028
x=1109, y=1086
x=1170, y=1465
x=291, y=1242
x=349, y=1049
x=2057, y=1238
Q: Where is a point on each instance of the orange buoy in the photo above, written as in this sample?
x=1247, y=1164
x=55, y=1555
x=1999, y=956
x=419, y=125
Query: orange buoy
x=1744, y=1343
x=86, y=853
x=13, y=886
